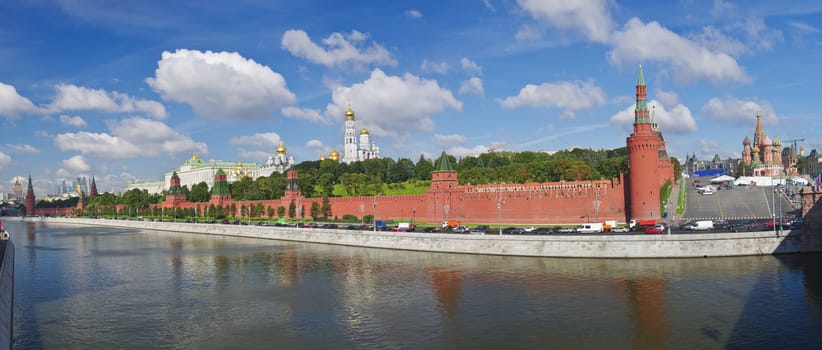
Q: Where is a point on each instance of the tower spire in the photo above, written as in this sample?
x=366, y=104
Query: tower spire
x=641, y=112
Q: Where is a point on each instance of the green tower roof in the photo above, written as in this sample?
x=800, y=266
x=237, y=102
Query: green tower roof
x=640, y=80
x=443, y=164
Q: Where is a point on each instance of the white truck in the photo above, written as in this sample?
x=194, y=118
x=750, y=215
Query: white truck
x=703, y=225
x=594, y=227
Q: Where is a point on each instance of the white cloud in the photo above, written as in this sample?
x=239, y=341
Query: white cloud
x=413, y=14
x=72, y=98
x=668, y=98
x=472, y=86
x=63, y=173
x=461, y=151
x=312, y=115
x=73, y=121
x=759, y=35
x=449, y=139
x=314, y=143
x=259, y=156
x=429, y=67
x=742, y=112
x=713, y=39
x=677, y=120
x=5, y=160
x=592, y=18
x=557, y=134
x=341, y=49
x=129, y=139
x=12, y=105
x=566, y=95
x=23, y=148
x=220, y=85
x=269, y=140
x=77, y=164
x=721, y=8
x=470, y=66
x=707, y=148
x=804, y=28
x=638, y=42
x=391, y=105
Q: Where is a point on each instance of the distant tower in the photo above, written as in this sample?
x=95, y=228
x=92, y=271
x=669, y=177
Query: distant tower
x=647, y=160
x=30, y=199
x=350, y=148
x=175, y=191
x=93, y=191
x=443, y=182
x=17, y=189
x=220, y=191
x=292, y=189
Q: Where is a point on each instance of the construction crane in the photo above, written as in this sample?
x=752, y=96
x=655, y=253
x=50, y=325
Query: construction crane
x=794, y=141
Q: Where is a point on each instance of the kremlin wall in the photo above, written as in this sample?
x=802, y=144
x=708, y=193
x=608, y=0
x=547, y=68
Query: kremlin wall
x=631, y=196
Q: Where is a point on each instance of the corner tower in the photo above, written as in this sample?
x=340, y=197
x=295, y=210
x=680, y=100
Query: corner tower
x=645, y=155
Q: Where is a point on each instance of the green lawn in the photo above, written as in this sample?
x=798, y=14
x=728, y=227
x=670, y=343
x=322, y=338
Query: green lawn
x=409, y=187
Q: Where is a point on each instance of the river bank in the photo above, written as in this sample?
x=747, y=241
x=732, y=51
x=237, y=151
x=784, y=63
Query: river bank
x=566, y=246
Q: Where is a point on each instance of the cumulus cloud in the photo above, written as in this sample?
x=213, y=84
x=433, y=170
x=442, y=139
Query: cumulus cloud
x=449, y=139
x=5, y=160
x=389, y=105
x=413, y=14
x=269, y=140
x=309, y=114
x=566, y=95
x=72, y=121
x=676, y=120
x=668, y=98
x=129, y=139
x=472, y=86
x=73, y=98
x=591, y=18
x=470, y=66
x=638, y=41
x=341, y=49
x=314, y=143
x=23, y=148
x=434, y=67
x=12, y=105
x=742, y=112
x=77, y=164
x=462, y=151
x=220, y=85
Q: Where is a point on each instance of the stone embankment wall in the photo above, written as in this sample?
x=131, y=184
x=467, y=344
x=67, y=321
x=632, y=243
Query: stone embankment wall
x=578, y=246
x=6, y=293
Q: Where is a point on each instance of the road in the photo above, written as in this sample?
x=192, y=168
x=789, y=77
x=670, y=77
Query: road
x=739, y=203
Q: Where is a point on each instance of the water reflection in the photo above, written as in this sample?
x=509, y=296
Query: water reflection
x=92, y=287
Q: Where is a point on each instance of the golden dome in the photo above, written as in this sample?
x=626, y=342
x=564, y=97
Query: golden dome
x=240, y=164
x=349, y=114
x=194, y=157
x=364, y=131
x=322, y=158
x=281, y=148
x=334, y=155
x=756, y=149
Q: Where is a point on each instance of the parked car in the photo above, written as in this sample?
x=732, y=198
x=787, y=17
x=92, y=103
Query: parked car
x=262, y=223
x=741, y=226
x=431, y=229
x=543, y=231
x=517, y=231
x=566, y=230
x=720, y=224
x=688, y=227
x=508, y=230
x=480, y=230
x=658, y=228
x=620, y=229
x=768, y=224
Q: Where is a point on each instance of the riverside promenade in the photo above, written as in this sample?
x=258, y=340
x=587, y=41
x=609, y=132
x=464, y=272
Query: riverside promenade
x=568, y=246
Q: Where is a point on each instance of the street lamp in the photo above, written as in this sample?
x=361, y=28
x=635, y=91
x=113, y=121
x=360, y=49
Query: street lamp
x=362, y=214
x=499, y=206
x=414, y=217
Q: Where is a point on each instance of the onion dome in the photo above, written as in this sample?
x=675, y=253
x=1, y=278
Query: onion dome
x=777, y=142
x=756, y=149
x=334, y=155
x=746, y=141
x=322, y=158
x=766, y=141
x=349, y=114
x=239, y=164
x=364, y=131
x=281, y=148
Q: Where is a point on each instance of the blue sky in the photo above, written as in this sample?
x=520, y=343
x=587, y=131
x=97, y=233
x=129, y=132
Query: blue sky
x=129, y=90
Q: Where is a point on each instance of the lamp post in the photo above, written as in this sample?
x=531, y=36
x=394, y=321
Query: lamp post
x=414, y=216
x=499, y=207
x=375, y=211
x=362, y=214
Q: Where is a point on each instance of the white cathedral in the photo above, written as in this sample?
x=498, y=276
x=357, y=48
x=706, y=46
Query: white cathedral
x=354, y=152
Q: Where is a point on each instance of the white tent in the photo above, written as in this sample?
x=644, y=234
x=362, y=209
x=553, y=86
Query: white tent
x=722, y=178
x=800, y=181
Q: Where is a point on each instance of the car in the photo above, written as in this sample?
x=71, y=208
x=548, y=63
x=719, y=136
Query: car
x=530, y=229
x=508, y=230
x=720, y=224
x=431, y=229
x=480, y=230
x=517, y=231
x=224, y=222
x=658, y=228
x=543, y=231
x=262, y=223
x=351, y=227
x=566, y=230
x=688, y=227
x=621, y=229
x=741, y=226
x=769, y=223
x=707, y=192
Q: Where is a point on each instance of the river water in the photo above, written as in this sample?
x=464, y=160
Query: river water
x=80, y=287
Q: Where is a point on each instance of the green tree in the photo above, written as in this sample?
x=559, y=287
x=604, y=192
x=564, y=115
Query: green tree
x=315, y=210
x=270, y=212
x=292, y=210
x=326, y=208
x=307, y=182
x=280, y=212
x=423, y=168
x=199, y=193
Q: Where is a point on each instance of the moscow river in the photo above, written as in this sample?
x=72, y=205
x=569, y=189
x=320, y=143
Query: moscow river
x=82, y=287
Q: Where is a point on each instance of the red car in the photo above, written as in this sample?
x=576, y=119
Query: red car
x=769, y=223
x=658, y=228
